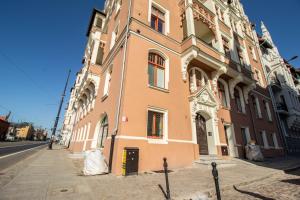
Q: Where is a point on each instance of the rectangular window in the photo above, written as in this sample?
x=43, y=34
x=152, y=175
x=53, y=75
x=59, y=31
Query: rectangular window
x=267, y=108
x=155, y=124
x=245, y=136
x=157, y=20
x=241, y=56
x=252, y=52
x=271, y=140
x=264, y=139
x=107, y=83
x=226, y=47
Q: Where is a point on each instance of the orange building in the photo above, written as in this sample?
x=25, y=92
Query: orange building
x=177, y=79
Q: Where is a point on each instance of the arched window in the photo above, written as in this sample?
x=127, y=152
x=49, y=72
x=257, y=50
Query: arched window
x=198, y=79
x=222, y=94
x=156, y=70
x=103, y=131
x=238, y=100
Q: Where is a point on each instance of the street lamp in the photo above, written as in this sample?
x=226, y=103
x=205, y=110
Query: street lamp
x=293, y=58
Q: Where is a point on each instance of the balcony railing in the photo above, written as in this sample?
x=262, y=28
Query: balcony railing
x=240, y=68
x=282, y=106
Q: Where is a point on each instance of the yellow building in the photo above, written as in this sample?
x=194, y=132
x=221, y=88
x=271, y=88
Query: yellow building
x=25, y=132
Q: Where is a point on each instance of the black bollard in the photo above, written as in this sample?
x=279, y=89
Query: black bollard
x=216, y=178
x=168, y=195
x=50, y=144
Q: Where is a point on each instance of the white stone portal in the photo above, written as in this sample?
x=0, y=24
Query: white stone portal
x=204, y=103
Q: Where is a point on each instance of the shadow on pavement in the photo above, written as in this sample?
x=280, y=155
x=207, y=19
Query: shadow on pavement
x=292, y=181
x=258, y=196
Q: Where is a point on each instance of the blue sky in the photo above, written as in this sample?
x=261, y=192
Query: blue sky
x=41, y=39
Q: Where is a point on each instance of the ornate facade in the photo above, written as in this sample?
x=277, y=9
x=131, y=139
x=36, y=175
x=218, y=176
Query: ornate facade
x=177, y=80
x=283, y=81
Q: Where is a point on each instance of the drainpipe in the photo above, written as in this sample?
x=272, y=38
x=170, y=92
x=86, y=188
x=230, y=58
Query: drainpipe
x=115, y=131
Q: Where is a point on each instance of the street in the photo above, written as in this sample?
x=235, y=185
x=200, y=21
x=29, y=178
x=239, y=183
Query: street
x=279, y=187
x=57, y=174
x=13, y=152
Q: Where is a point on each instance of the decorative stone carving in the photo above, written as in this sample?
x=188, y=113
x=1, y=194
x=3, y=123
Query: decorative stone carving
x=185, y=61
x=233, y=82
x=246, y=91
x=215, y=76
x=202, y=13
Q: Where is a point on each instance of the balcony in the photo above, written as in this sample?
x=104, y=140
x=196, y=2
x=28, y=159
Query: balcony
x=240, y=68
x=204, y=20
x=275, y=84
x=282, y=108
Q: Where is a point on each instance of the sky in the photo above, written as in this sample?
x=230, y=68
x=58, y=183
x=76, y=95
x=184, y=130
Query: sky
x=40, y=40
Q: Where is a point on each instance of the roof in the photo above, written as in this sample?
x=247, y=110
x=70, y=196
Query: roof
x=3, y=118
x=95, y=11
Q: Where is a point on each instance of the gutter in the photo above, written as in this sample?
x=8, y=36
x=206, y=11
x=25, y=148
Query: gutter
x=115, y=131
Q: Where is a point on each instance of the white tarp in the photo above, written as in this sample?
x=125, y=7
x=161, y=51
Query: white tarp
x=253, y=152
x=94, y=163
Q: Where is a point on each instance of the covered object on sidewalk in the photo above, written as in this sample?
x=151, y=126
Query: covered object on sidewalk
x=94, y=163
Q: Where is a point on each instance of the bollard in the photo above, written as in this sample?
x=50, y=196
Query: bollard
x=167, y=193
x=216, y=179
x=50, y=144
x=167, y=179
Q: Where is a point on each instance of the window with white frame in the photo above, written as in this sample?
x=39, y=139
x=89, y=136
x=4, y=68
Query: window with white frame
x=158, y=17
x=271, y=140
x=239, y=100
x=107, y=81
x=156, y=70
x=252, y=52
x=256, y=106
x=275, y=141
x=267, y=108
x=114, y=37
x=264, y=139
x=156, y=124
x=258, y=77
x=246, y=138
x=118, y=5
x=222, y=93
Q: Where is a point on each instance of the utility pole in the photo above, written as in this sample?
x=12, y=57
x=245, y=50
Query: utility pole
x=58, y=113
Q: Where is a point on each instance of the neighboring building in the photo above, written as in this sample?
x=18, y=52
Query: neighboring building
x=39, y=134
x=69, y=119
x=25, y=131
x=284, y=89
x=176, y=79
x=4, y=125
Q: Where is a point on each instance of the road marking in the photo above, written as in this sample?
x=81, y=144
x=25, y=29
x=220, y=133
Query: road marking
x=17, y=145
x=20, y=151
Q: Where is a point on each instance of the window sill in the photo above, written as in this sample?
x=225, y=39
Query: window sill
x=104, y=97
x=156, y=140
x=158, y=88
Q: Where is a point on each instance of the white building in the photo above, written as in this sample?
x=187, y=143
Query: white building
x=282, y=89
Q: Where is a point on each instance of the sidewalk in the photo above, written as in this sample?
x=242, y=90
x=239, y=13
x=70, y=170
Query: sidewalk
x=54, y=175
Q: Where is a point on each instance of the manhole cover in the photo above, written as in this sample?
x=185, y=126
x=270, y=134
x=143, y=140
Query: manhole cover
x=64, y=190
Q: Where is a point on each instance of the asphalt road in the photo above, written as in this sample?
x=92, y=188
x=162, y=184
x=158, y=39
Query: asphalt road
x=10, y=155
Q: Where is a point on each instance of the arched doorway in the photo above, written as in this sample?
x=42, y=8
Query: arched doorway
x=103, y=132
x=201, y=134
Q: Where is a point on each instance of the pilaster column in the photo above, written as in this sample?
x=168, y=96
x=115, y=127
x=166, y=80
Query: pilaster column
x=189, y=17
